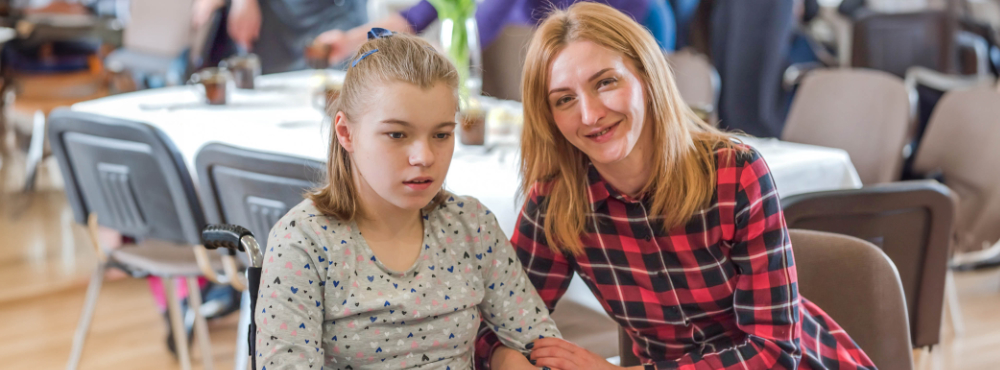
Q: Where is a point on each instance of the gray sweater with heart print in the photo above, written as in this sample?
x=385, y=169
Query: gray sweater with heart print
x=326, y=302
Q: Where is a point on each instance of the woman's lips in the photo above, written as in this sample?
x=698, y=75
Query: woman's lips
x=604, y=135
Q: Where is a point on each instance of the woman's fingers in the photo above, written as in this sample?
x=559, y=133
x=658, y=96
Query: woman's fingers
x=556, y=363
x=556, y=342
x=555, y=356
x=560, y=354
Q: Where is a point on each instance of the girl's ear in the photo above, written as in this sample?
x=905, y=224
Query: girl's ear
x=343, y=132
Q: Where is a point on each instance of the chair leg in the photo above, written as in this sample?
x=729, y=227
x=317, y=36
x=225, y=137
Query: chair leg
x=200, y=325
x=243, y=332
x=954, y=307
x=83, y=328
x=35, y=151
x=177, y=323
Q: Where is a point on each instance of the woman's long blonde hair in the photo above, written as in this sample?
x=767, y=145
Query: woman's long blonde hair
x=399, y=57
x=683, y=176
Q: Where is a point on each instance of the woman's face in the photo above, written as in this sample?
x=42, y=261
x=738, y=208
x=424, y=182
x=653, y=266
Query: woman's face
x=401, y=145
x=597, y=101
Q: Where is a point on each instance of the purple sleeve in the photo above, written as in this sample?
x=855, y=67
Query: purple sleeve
x=420, y=16
x=493, y=15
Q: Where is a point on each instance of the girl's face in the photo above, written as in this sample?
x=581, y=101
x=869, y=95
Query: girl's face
x=597, y=101
x=401, y=144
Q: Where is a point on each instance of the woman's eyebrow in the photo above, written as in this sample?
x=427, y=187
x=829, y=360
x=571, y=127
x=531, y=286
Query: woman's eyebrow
x=592, y=77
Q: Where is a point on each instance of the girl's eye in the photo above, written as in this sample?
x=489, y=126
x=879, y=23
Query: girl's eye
x=563, y=100
x=607, y=81
x=395, y=135
x=443, y=135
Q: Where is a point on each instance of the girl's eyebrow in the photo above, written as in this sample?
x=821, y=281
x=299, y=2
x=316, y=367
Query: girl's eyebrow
x=393, y=121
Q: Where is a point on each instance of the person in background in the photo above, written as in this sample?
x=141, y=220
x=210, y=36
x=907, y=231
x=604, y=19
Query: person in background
x=684, y=11
x=278, y=31
x=675, y=226
x=749, y=43
x=493, y=15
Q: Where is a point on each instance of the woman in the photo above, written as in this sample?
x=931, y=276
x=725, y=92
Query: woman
x=674, y=226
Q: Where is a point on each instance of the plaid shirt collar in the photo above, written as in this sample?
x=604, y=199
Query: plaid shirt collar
x=600, y=190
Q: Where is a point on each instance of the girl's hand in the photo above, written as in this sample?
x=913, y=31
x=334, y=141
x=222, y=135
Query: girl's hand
x=507, y=359
x=558, y=354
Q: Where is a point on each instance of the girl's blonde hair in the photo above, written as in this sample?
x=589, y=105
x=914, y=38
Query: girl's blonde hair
x=683, y=163
x=398, y=57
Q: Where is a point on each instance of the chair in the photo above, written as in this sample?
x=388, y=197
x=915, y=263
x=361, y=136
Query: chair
x=858, y=286
x=893, y=42
x=128, y=176
x=254, y=189
x=927, y=87
x=910, y=221
x=697, y=81
x=934, y=39
x=625, y=353
x=865, y=112
x=503, y=60
x=960, y=147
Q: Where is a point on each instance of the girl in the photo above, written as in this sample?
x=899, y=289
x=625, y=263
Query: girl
x=381, y=267
x=674, y=227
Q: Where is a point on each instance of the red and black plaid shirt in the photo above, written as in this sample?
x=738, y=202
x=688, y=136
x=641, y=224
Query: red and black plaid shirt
x=719, y=292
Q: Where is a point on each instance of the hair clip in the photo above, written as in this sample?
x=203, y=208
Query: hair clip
x=374, y=33
x=377, y=33
x=369, y=52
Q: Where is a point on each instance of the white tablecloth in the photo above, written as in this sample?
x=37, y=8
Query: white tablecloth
x=280, y=117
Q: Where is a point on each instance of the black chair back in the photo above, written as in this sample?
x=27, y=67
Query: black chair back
x=250, y=188
x=910, y=221
x=893, y=42
x=128, y=173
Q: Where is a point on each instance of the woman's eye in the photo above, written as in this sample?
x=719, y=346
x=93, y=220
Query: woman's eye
x=606, y=82
x=395, y=135
x=443, y=135
x=563, y=100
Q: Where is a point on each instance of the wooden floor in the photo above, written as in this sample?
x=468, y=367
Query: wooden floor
x=46, y=260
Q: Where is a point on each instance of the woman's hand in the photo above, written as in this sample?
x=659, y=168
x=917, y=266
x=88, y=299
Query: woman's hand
x=558, y=354
x=244, y=22
x=343, y=44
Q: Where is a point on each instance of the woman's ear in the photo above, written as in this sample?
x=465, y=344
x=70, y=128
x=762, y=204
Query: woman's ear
x=343, y=132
